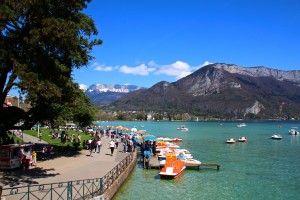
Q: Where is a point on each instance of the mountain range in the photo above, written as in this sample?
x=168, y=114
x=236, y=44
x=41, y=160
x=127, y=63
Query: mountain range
x=108, y=93
x=223, y=89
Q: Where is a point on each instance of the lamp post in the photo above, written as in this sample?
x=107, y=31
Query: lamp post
x=38, y=129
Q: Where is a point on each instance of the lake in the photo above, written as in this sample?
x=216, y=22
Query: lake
x=262, y=168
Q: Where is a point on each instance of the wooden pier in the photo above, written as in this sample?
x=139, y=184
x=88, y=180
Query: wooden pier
x=211, y=165
x=154, y=164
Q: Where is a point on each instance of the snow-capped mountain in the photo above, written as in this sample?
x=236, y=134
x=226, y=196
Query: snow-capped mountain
x=108, y=93
x=98, y=88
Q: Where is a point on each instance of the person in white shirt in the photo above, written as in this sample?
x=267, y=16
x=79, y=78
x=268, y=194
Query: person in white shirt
x=91, y=146
x=112, y=147
x=117, y=142
x=99, y=144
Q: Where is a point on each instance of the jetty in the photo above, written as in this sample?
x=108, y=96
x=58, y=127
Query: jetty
x=153, y=163
x=211, y=165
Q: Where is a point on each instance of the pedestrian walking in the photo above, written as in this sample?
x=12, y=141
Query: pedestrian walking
x=112, y=146
x=124, y=146
x=91, y=146
x=40, y=135
x=99, y=144
x=95, y=145
x=117, y=142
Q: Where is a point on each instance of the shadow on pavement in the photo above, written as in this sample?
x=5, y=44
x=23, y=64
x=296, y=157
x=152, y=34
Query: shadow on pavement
x=17, y=177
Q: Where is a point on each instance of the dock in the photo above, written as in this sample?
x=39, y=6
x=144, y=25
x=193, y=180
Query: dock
x=154, y=164
x=211, y=165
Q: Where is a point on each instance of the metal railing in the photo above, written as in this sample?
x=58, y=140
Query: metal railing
x=78, y=189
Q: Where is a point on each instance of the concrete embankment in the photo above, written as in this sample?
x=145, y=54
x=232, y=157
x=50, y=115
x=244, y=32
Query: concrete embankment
x=112, y=190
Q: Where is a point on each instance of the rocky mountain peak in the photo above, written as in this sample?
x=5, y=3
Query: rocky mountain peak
x=224, y=89
x=282, y=75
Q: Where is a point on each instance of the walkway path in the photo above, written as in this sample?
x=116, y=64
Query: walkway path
x=32, y=139
x=63, y=169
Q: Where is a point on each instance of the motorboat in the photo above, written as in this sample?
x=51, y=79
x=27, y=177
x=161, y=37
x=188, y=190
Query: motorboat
x=276, y=137
x=173, y=167
x=294, y=131
x=230, y=141
x=182, y=128
x=243, y=139
x=241, y=125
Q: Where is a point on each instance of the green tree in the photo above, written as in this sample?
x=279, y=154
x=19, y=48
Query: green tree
x=41, y=42
x=141, y=116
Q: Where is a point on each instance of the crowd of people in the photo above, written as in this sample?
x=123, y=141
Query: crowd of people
x=130, y=142
x=124, y=141
x=148, y=148
x=118, y=140
x=29, y=155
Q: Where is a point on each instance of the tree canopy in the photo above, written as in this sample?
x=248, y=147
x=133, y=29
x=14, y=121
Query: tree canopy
x=41, y=42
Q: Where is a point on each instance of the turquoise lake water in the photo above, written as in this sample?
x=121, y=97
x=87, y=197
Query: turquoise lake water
x=262, y=168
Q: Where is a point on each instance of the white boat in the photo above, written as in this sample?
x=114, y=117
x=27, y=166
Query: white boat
x=276, y=137
x=187, y=162
x=230, y=141
x=161, y=145
x=182, y=128
x=165, y=139
x=243, y=139
x=169, y=139
x=177, y=152
x=191, y=162
x=241, y=125
x=294, y=131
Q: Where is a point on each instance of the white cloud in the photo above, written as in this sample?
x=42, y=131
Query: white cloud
x=83, y=87
x=152, y=63
x=139, y=70
x=102, y=67
x=178, y=69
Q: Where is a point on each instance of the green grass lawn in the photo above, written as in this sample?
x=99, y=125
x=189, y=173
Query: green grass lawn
x=56, y=143
x=59, y=148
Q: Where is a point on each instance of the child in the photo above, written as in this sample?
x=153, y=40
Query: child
x=33, y=158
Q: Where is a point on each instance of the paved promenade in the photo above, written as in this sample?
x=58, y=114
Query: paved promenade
x=63, y=169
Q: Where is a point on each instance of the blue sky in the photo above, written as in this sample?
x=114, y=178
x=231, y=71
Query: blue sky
x=147, y=41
